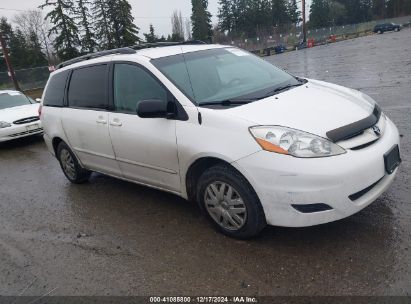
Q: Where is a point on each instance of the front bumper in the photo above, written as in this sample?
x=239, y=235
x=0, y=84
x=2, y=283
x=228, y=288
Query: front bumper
x=19, y=131
x=281, y=181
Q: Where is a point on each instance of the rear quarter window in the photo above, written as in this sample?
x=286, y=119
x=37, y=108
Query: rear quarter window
x=54, y=95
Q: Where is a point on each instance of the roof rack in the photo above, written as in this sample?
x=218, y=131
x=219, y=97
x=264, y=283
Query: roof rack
x=126, y=50
x=162, y=44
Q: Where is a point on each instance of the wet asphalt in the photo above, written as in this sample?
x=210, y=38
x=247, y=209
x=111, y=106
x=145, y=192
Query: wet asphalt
x=110, y=237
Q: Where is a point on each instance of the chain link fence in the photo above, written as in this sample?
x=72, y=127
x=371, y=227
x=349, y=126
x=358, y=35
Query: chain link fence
x=28, y=79
x=277, y=42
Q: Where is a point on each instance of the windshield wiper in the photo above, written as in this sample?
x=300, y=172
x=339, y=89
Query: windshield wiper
x=227, y=102
x=281, y=89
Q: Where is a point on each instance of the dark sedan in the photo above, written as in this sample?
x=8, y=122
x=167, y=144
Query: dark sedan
x=386, y=27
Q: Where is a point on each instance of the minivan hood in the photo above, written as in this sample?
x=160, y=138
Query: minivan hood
x=15, y=113
x=315, y=107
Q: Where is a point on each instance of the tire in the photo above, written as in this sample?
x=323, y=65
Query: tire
x=379, y=32
x=70, y=166
x=218, y=207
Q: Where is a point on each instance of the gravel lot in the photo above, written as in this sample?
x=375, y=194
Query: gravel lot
x=110, y=237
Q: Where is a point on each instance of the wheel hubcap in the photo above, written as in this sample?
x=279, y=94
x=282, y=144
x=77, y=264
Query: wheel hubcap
x=68, y=164
x=225, y=206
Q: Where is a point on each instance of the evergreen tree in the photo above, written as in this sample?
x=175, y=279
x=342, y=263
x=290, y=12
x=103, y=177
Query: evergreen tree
x=151, y=36
x=280, y=13
x=87, y=41
x=35, y=56
x=7, y=32
x=225, y=15
x=337, y=13
x=293, y=12
x=357, y=10
x=64, y=27
x=201, y=20
x=102, y=24
x=18, y=50
x=124, y=30
x=319, y=13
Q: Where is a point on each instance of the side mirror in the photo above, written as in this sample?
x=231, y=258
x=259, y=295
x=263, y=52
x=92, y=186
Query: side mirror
x=155, y=108
x=38, y=100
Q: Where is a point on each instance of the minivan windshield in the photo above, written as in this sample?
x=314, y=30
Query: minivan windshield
x=13, y=99
x=224, y=74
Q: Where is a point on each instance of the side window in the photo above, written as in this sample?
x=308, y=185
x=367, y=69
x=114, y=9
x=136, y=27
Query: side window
x=133, y=84
x=88, y=87
x=54, y=95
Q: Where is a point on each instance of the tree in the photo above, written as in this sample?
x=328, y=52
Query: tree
x=35, y=56
x=280, y=13
x=7, y=31
x=357, y=10
x=177, y=26
x=319, y=13
x=201, y=20
x=124, y=30
x=293, y=12
x=102, y=25
x=64, y=27
x=87, y=42
x=225, y=15
x=151, y=36
x=188, y=32
x=33, y=21
x=337, y=13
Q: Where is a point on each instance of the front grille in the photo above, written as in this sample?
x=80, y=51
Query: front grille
x=26, y=120
x=26, y=132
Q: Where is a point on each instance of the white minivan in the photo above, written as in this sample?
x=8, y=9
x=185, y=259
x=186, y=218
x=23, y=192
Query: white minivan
x=252, y=144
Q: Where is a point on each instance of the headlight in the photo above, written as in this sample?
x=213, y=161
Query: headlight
x=4, y=124
x=294, y=142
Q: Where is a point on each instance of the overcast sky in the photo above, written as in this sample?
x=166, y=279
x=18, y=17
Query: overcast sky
x=157, y=12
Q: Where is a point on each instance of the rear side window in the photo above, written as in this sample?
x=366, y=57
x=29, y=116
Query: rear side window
x=88, y=88
x=54, y=95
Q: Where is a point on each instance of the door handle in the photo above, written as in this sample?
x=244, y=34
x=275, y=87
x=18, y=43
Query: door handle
x=101, y=121
x=115, y=123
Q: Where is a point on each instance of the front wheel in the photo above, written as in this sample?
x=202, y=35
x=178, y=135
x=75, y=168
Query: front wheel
x=230, y=202
x=70, y=166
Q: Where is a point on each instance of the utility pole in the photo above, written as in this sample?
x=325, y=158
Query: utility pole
x=304, y=25
x=8, y=63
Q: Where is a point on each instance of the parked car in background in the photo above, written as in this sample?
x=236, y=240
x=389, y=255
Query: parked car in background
x=386, y=27
x=252, y=144
x=19, y=116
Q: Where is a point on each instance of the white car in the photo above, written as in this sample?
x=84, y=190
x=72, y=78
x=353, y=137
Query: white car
x=19, y=116
x=250, y=143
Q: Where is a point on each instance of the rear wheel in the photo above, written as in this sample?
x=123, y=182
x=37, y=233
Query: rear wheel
x=70, y=166
x=396, y=29
x=230, y=202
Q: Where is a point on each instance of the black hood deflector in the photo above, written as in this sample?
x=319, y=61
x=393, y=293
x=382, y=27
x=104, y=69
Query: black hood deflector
x=355, y=128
